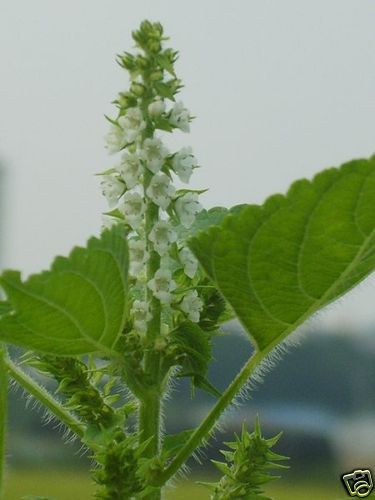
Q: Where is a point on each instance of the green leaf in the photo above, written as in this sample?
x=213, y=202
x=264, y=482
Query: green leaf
x=215, y=311
x=5, y=307
x=279, y=263
x=166, y=60
x=75, y=308
x=109, y=171
x=193, y=346
x=182, y=192
x=115, y=213
x=163, y=124
x=165, y=90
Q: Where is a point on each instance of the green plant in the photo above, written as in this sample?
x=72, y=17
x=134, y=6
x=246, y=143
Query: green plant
x=140, y=303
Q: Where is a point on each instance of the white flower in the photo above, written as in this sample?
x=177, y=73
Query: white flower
x=192, y=305
x=154, y=153
x=187, y=206
x=141, y=315
x=160, y=190
x=133, y=208
x=156, y=108
x=112, y=188
x=183, y=163
x=180, y=117
x=132, y=123
x=108, y=222
x=189, y=262
x=138, y=256
x=162, y=235
x=115, y=139
x=130, y=169
x=162, y=285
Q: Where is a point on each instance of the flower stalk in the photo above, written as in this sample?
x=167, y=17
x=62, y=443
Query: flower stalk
x=141, y=190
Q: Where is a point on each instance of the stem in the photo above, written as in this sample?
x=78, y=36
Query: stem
x=209, y=422
x=41, y=394
x=149, y=422
x=150, y=404
x=3, y=416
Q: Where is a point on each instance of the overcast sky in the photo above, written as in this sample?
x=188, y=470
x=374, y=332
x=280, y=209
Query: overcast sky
x=281, y=90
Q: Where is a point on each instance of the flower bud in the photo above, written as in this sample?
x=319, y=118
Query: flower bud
x=156, y=76
x=138, y=89
x=156, y=108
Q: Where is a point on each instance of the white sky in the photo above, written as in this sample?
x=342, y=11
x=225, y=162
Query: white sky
x=281, y=90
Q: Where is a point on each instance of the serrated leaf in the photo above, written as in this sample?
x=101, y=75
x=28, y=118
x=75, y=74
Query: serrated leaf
x=279, y=263
x=75, y=308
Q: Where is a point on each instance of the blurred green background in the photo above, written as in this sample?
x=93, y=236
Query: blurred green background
x=76, y=486
x=321, y=394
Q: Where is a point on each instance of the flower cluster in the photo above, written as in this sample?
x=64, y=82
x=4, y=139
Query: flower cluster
x=142, y=181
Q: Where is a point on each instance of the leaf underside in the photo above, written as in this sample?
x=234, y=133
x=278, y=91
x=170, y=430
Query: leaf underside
x=279, y=263
x=77, y=306
x=195, y=344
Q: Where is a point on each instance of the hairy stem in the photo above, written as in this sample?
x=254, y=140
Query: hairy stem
x=40, y=393
x=150, y=405
x=211, y=419
x=3, y=416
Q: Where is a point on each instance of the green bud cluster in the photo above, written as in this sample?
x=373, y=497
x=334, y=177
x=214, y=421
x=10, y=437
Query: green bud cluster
x=77, y=383
x=120, y=472
x=147, y=69
x=247, y=465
